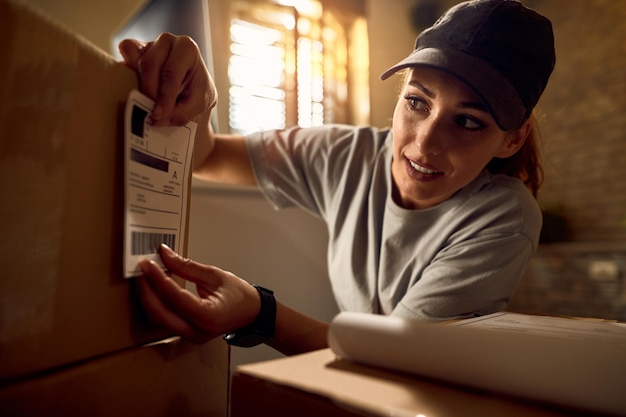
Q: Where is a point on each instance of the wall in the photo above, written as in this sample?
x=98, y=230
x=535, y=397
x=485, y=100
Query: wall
x=575, y=279
x=583, y=123
x=386, y=48
x=583, y=115
x=392, y=37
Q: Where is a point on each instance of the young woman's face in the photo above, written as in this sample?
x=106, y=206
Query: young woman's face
x=443, y=137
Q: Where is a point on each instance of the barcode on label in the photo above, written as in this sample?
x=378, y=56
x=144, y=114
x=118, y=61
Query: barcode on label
x=148, y=243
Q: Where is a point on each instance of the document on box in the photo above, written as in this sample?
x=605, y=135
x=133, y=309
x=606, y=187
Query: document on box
x=157, y=167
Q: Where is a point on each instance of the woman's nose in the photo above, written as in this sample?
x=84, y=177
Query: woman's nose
x=429, y=136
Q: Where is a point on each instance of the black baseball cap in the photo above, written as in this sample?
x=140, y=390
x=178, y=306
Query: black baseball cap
x=501, y=49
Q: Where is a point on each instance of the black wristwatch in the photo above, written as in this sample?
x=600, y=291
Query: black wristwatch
x=262, y=329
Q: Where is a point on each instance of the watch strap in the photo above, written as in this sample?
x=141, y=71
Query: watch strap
x=262, y=329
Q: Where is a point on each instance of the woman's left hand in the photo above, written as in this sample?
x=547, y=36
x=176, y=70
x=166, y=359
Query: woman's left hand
x=224, y=302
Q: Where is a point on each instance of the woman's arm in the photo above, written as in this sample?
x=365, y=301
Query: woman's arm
x=221, y=158
x=297, y=333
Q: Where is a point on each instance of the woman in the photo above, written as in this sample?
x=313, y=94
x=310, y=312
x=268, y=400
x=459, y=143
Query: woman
x=432, y=220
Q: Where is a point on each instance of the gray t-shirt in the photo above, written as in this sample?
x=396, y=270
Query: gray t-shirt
x=461, y=258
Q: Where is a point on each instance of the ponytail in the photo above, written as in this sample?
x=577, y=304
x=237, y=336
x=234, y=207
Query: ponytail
x=525, y=164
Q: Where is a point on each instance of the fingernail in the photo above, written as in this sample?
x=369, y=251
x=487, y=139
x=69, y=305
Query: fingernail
x=166, y=249
x=145, y=265
x=142, y=47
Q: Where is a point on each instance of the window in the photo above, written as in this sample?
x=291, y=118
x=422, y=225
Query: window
x=289, y=65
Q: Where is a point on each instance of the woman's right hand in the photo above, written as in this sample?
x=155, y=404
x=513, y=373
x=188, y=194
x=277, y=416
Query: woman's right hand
x=173, y=74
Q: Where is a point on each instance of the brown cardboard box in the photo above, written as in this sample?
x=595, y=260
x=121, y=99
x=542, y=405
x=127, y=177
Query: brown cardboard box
x=319, y=384
x=172, y=378
x=63, y=297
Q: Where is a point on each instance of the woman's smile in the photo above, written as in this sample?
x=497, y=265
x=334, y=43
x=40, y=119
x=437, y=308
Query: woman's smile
x=423, y=169
x=422, y=172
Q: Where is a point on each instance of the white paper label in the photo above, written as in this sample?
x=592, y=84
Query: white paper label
x=157, y=165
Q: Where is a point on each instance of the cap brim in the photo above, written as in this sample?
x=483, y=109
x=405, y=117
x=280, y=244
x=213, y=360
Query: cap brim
x=495, y=90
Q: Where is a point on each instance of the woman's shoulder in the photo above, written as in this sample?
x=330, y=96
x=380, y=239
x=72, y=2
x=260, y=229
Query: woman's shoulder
x=513, y=189
x=497, y=188
x=501, y=199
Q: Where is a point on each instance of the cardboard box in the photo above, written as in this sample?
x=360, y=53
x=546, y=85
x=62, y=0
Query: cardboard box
x=319, y=384
x=63, y=297
x=172, y=378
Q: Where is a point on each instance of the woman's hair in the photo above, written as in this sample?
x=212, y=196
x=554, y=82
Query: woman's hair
x=525, y=164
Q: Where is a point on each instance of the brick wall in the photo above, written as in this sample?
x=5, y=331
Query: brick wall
x=583, y=118
x=581, y=279
x=583, y=124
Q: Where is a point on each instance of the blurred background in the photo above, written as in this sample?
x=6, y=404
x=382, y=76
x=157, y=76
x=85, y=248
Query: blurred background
x=277, y=63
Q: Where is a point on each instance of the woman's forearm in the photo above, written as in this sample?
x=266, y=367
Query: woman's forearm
x=297, y=333
x=221, y=157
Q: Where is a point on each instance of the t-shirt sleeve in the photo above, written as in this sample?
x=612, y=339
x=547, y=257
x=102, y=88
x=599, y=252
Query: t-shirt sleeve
x=306, y=167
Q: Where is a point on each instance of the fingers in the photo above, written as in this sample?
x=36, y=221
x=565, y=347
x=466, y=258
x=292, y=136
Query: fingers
x=226, y=301
x=131, y=51
x=162, y=79
x=172, y=74
x=183, y=82
x=188, y=269
x=156, y=291
x=198, y=95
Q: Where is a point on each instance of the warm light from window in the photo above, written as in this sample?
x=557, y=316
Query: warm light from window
x=310, y=83
x=308, y=8
x=256, y=75
x=289, y=65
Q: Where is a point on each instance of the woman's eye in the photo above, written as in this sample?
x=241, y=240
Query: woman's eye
x=469, y=123
x=416, y=103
